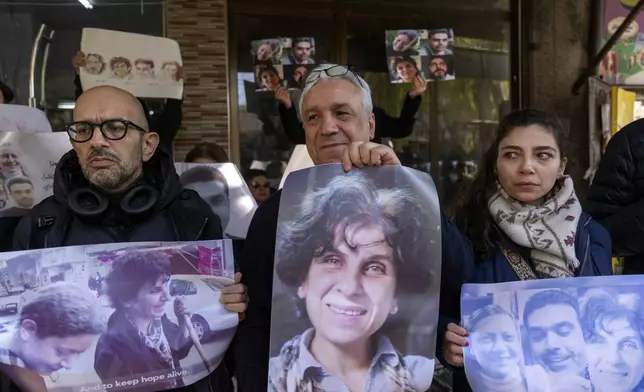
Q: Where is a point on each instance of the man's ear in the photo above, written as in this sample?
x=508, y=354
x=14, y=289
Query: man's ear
x=149, y=145
x=372, y=126
x=28, y=329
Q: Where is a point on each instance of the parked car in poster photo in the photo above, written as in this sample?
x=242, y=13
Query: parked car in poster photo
x=201, y=297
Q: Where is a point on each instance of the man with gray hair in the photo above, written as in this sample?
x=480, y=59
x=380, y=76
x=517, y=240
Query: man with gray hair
x=56, y=325
x=339, y=123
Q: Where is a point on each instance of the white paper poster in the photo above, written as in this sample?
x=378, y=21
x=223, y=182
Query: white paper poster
x=356, y=280
x=555, y=335
x=143, y=65
x=300, y=159
x=19, y=118
x=143, y=316
x=27, y=166
x=223, y=188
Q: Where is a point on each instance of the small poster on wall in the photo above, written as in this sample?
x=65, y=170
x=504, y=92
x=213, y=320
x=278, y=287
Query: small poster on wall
x=427, y=53
x=145, y=66
x=282, y=61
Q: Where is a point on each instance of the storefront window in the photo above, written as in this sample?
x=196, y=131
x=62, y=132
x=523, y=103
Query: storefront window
x=21, y=21
x=456, y=119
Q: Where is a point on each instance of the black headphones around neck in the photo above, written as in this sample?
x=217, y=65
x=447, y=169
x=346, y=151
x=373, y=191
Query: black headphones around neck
x=89, y=203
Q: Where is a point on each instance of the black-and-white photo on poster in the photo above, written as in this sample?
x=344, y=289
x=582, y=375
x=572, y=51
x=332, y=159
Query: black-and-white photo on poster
x=224, y=189
x=116, y=317
x=555, y=335
x=356, y=280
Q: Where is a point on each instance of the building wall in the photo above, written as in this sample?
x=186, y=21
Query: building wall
x=559, y=35
x=200, y=28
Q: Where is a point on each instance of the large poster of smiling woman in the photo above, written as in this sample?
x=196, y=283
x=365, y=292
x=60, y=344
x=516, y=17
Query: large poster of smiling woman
x=145, y=66
x=555, y=335
x=356, y=281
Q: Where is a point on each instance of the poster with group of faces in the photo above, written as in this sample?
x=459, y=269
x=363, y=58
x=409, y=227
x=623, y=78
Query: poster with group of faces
x=116, y=317
x=426, y=53
x=27, y=166
x=282, y=61
x=356, y=280
x=555, y=335
x=145, y=66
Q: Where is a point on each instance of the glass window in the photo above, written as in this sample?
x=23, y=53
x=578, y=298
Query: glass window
x=262, y=141
x=21, y=21
x=457, y=118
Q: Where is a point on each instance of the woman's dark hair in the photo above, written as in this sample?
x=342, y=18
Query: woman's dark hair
x=252, y=173
x=600, y=310
x=209, y=151
x=405, y=59
x=350, y=200
x=471, y=214
x=131, y=272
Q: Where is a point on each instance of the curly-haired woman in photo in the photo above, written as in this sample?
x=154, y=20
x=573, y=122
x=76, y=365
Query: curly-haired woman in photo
x=140, y=338
x=354, y=256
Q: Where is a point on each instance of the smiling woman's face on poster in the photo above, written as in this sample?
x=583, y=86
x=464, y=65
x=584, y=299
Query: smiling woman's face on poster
x=356, y=255
x=350, y=288
x=497, y=347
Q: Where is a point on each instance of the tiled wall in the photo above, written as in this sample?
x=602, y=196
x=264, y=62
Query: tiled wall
x=200, y=29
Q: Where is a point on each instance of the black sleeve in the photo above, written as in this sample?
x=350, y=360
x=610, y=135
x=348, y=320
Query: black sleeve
x=292, y=126
x=252, y=341
x=22, y=234
x=170, y=122
x=398, y=127
x=613, y=198
x=78, y=85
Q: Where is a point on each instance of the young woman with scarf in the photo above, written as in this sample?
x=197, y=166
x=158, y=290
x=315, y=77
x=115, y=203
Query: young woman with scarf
x=521, y=220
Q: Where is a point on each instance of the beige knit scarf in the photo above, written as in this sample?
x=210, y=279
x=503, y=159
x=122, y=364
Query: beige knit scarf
x=548, y=230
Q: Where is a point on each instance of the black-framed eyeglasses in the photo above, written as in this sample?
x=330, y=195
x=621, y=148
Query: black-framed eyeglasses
x=112, y=129
x=335, y=71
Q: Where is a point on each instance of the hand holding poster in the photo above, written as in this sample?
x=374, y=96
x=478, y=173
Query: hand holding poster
x=555, y=335
x=117, y=317
x=143, y=65
x=427, y=53
x=357, y=273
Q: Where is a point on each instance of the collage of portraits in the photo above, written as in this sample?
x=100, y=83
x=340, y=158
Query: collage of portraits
x=420, y=52
x=282, y=61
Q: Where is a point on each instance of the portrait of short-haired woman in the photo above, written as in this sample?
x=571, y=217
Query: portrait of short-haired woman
x=354, y=257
